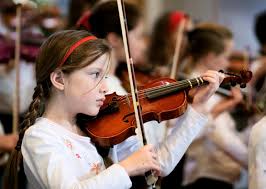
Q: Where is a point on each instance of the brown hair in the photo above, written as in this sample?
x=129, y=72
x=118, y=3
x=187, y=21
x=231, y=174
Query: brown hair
x=260, y=27
x=104, y=18
x=76, y=8
x=51, y=54
x=161, y=49
x=207, y=37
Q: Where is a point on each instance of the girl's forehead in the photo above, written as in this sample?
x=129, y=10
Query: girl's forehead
x=99, y=63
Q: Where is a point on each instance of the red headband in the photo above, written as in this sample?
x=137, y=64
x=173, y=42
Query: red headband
x=74, y=46
x=175, y=19
x=84, y=20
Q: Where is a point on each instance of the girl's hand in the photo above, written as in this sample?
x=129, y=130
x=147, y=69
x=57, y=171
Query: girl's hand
x=8, y=142
x=236, y=96
x=227, y=104
x=143, y=160
x=202, y=94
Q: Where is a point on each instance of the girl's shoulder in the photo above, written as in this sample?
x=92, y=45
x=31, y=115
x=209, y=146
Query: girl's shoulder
x=41, y=131
x=47, y=131
x=41, y=126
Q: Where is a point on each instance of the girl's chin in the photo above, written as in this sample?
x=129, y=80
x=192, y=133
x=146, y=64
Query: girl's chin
x=93, y=113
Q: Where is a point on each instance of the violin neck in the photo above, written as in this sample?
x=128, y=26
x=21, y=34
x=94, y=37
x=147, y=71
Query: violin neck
x=174, y=87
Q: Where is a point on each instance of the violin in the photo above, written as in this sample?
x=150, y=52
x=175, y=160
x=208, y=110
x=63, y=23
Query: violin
x=6, y=50
x=238, y=59
x=30, y=44
x=161, y=99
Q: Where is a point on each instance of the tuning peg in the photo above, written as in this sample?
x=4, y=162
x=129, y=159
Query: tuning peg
x=233, y=83
x=29, y=3
x=243, y=85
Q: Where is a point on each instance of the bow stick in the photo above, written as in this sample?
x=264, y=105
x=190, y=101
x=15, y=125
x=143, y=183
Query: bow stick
x=17, y=68
x=179, y=38
x=150, y=178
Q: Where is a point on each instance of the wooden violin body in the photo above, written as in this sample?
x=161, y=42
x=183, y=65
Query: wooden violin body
x=160, y=100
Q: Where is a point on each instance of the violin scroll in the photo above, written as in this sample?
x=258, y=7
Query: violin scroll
x=233, y=79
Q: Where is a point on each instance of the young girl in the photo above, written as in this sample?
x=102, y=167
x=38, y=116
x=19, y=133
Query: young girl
x=215, y=158
x=70, y=73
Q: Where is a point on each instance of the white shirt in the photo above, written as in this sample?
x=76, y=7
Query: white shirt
x=257, y=155
x=55, y=158
x=7, y=83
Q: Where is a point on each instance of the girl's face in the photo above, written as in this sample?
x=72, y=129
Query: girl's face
x=85, y=88
x=137, y=43
x=220, y=62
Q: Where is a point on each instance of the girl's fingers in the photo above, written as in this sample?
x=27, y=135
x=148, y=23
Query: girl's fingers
x=210, y=79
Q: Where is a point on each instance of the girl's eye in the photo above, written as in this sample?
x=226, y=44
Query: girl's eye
x=95, y=75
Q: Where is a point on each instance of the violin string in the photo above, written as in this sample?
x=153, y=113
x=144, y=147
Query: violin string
x=182, y=83
x=157, y=90
x=162, y=89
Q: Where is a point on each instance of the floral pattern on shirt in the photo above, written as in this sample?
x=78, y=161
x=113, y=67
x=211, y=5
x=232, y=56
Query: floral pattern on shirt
x=96, y=167
x=68, y=144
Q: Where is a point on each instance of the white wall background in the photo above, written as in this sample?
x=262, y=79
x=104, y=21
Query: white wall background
x=238, y=15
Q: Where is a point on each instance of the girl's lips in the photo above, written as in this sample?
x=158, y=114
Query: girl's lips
x=100, y=103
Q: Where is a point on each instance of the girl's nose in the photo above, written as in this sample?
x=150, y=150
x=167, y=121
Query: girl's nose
x=104, y=87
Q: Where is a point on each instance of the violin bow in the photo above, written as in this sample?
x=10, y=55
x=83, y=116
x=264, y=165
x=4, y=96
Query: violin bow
x=150, y=178
x=16, y=94
x=16, y=100
x=179, y=37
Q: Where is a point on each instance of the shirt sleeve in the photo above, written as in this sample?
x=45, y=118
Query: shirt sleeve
x=226, y=138
x=51, y=166
x=173, y=148
x=127, y=147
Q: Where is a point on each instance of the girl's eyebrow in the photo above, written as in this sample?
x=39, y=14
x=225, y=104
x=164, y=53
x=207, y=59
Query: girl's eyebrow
x=95, y=68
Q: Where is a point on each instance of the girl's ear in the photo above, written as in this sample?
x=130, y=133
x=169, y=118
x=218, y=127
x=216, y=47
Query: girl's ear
x=57, y=79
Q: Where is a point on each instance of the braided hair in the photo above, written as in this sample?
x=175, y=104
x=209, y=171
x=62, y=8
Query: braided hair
x=51, y=54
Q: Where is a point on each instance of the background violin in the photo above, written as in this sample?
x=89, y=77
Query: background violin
x=160, y=100
x=143, y=74
x=238, y=60
x=30, y=44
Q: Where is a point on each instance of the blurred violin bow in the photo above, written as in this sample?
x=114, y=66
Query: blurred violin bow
x=16, y=102
x=177, y=48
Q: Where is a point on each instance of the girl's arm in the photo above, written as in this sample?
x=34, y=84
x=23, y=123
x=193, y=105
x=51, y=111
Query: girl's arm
x=46, y=158
x=188, y=126
x=226, y=138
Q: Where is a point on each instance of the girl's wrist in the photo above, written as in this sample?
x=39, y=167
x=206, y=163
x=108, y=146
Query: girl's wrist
x=125, y=166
